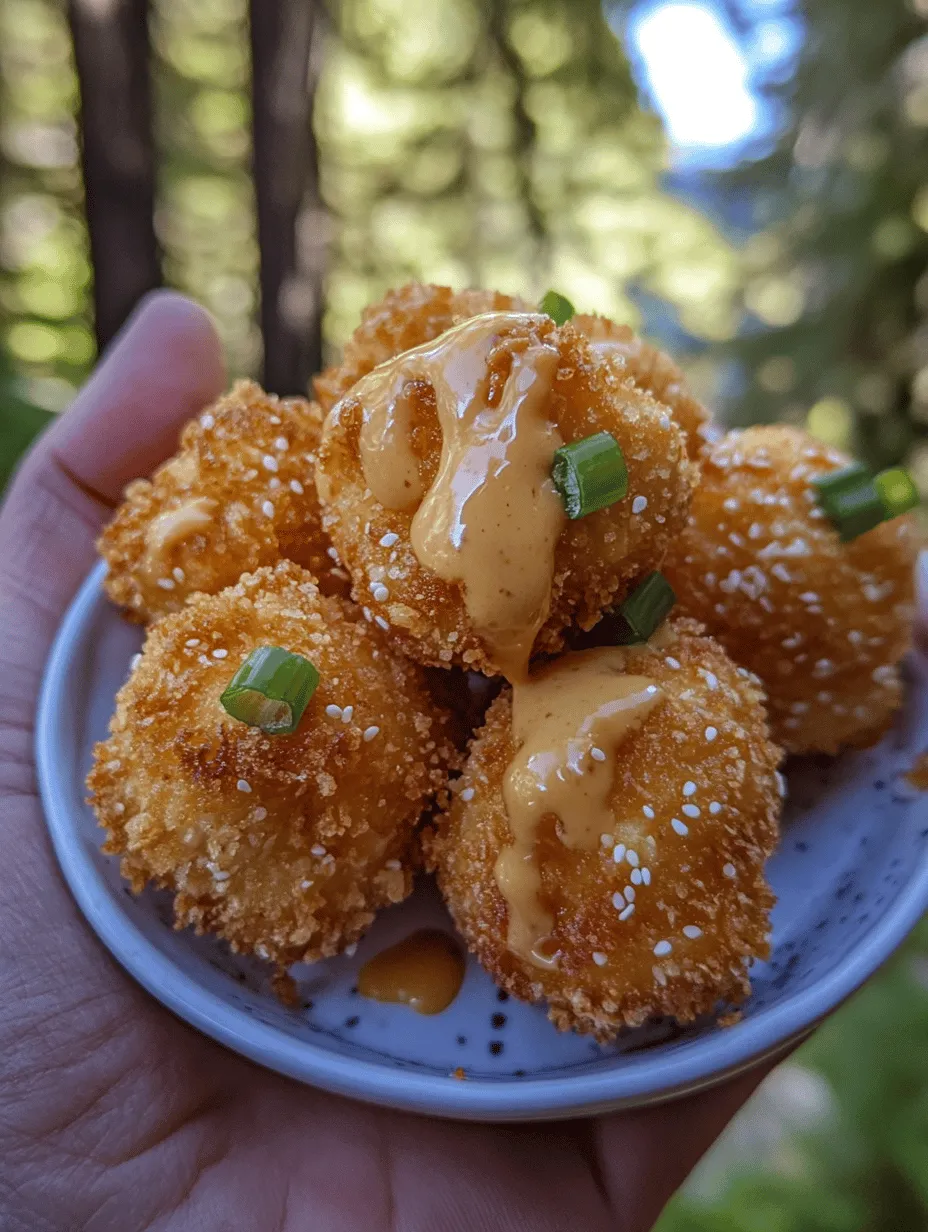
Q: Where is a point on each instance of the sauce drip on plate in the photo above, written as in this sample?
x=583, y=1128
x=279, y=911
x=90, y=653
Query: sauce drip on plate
x=424, y=971
x=492, y=517
x=568, y=723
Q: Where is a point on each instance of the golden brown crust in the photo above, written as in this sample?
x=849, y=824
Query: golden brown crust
x=824, y=624
x=285, y=846
x=598, y=558
x=655, y=372
x=405, y=318
x=711, y=732
x=245, y=468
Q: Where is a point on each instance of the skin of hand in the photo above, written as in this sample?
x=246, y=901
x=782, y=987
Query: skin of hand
x=116, y=1116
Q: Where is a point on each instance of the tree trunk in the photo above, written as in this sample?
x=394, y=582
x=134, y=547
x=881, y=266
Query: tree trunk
x=111, y=50
x=286, y=42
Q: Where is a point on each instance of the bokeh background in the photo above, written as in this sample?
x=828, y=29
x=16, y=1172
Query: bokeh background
x=746, y=180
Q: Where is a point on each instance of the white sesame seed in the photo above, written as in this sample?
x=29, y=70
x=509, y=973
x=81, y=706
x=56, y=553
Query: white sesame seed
x=672, y=663
x=282, y=444
x=192, y=641
x=618, y=900
x=680, y=826
x=690, y=810
x=710, y=678
x=220, y=653
x=260, y=814
x=629, y=911
x=729, y=870
x=389, y=539
x=269, y=463
x=646, y=876
x=689, y=788
x=380, y=592
x=207, y=421
x=662, y=949
x=632, y=858
x=317, y=849
x=347, y=714
x=166, y=583
x=243, y=785
x=599, y=959
x=715, y=808
x=597, y=754
x=711, y=733
x=332, y=554
x=135, y=661
x=296, y=486
x=179, y=575
x=639, y=504
x=781, y=782
x=635, y=876
x=267, y=509
x=333, y=711
x=630, y=892
x=371, y=732
x=273, y=484
x=618, y=853
x=648, y=812
x=691, y=931
x=119, y=808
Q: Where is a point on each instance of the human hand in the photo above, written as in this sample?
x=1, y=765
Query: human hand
x=114, y=1115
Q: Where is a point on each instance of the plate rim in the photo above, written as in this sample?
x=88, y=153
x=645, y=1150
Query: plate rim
x=649, y=1078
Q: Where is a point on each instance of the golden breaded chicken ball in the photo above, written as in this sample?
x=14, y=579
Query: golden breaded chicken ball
x=653, y=370
x=823, y=623
x=434, y=475
x=604, y=850
x=284, y=845
x=238, y=494
x=403, y=319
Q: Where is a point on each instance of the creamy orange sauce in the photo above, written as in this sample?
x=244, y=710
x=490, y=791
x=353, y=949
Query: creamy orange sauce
x=492, y=517
x=568, y=722
x=423, y=971
x=918, y=775
x=174, y=526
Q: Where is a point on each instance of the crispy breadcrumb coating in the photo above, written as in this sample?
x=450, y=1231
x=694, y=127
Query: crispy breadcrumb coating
x=696, y=800
x=285, y=846
x=823, y=623
x=598, y=559
x=654, y=371
x=239, y=493
x=405, y=318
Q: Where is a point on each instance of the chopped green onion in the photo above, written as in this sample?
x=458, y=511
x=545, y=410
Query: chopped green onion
x=271, y=690
x=590, y=474
x=647, y=607
x=558, y=307
x=897, y=490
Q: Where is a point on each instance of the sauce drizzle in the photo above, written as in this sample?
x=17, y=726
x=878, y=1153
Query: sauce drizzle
x=424, y=971
x=492, y=517
x=581, y=703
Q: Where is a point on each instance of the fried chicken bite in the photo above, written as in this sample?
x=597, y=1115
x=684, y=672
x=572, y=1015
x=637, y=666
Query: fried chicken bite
x=823, y=623
x=239, y=493
x=638, y=889
x=654, y=371
x=405, y=318
x=474, y=419
x=283, y=845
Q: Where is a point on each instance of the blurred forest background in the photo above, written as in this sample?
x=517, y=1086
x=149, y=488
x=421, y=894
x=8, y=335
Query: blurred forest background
x=745, y=179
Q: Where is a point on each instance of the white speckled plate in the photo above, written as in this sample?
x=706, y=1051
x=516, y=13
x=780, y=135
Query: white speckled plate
x=851, y=876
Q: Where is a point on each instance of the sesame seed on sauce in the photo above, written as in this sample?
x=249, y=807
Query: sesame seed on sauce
x=648, y=812
x=207, y=421
x=380, y=592
x=711, y=733
x=662, y=949
x=691, y=810
x=597, y=754
x=282, y=444
x=192, y=641
x=628, y=912
x=729, y=870
x=710, y=678
x=639, y=504
x=636, y=876
x=333, y=711
x=618, y=853
x=618, y=900
x=379, y=620
x=260, y=814
x=269, y=463
x=672, y=663
x=317, y=850
x=680, y=827
x=691, y=931
x=371, y=732
x=296, y=486
x=243, y=785
x=332, y=554
x=606, y=840
x=646, y=876
x=715, y=808
x=630, y=893
x=179, y=575
x=347, y=714
x=632, y=857
x=389, y=539
x=267, y=509
x=220, y=653
x=599, y=959
x=166, y=583
x=689, y=788
x=467, y=794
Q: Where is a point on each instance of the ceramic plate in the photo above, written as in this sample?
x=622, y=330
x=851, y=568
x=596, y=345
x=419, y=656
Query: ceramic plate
x=851, y=877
